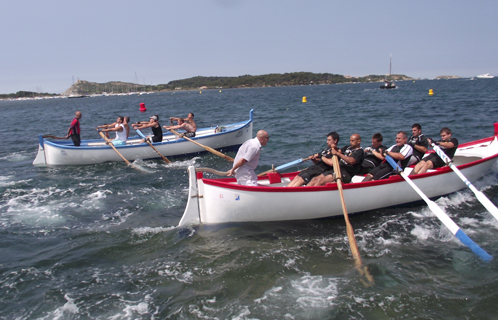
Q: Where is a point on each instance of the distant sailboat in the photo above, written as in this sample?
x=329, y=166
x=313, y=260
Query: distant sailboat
x=388, y=83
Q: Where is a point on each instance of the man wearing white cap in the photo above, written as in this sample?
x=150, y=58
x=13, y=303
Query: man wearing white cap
x=153, y=124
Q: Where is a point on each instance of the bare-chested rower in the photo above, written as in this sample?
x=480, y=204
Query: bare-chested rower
x=187, y=124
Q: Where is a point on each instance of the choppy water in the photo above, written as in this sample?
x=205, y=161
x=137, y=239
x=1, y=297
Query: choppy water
x=100, y=241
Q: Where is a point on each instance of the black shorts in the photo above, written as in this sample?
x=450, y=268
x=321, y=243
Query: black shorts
x=435, y=159
x=346, y=177
x=188, y=134
x=367, y=166
x=76, y=139
x=383, y=171
x=311, y=172
x=157, y=139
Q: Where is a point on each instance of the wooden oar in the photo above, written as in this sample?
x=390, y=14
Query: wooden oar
x=443, y=217
x=224, y=156
x=150, y=144
x=108, y=142
x=479, y=195
x=284, y=166
x=54, y=137
x=349, y=228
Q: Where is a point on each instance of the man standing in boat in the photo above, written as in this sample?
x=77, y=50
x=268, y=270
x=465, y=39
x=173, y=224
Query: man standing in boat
x=153, y=124
x=322, y=162
x=374, y=155
x=350, y=160
x=418, y=141
x=120, y=130
x=74, y=130
x=447, y=144
x=400, y=152
x=247, y=159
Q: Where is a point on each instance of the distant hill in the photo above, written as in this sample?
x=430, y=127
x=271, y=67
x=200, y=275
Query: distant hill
x=27, y=94
x=82, y=87
x=447, y=77
x=245, y=81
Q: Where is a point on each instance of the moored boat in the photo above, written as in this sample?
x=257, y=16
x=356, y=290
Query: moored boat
x=212, y=201
x=226, y=137
x=389, y=83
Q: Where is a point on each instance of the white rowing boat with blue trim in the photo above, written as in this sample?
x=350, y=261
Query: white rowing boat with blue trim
x=226, y=137
x=213, y=201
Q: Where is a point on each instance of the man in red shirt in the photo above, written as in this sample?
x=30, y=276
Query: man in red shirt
x=74, y=129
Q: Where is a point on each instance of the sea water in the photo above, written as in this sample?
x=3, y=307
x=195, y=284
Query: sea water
x=101, y=242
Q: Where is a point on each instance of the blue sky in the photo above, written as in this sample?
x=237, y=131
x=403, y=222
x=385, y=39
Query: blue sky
x=47, y=43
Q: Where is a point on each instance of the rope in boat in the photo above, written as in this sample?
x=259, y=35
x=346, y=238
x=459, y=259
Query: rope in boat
x=213, y=171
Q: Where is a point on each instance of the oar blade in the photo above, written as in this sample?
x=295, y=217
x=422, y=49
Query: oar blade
x=473, y=246
x=443, y=217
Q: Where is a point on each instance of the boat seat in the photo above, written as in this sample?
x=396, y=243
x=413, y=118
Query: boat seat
x=274, y=177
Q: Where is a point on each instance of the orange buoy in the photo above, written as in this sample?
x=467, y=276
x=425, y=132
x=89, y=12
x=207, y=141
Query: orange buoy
x=142, y=107
x=431, y=92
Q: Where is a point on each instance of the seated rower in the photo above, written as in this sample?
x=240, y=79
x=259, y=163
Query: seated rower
x=190, y=131
x=126, y=124
x=188, y=124
x=418, y=141
x=322, y=162
x=120, y=130
x=154, y=125
x=432, y=161
x=401, y=152
x=350, y=160
x=374, y=155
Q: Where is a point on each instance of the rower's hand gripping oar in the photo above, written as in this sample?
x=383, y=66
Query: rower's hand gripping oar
x=150, y=144
x=479, y=195
x=284, y=166
x=443, y=217
x=349, y=228
x=219, y=154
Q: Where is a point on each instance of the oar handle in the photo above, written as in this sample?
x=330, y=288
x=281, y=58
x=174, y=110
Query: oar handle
x=284, y=166
x=219, y=154
x=441, y=153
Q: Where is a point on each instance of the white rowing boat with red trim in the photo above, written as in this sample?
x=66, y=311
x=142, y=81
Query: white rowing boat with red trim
x=213, y=201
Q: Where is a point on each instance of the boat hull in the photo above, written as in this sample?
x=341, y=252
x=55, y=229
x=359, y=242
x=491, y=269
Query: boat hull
x=51, y=153
x=214, y=201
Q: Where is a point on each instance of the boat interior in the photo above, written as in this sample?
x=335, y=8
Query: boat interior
x=167, y=137
x=465, y=154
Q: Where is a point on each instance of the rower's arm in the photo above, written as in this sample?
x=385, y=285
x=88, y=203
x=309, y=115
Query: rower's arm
x=395, y=155
x=420, y=148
